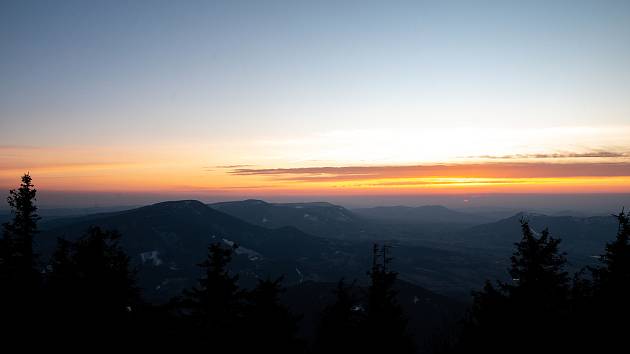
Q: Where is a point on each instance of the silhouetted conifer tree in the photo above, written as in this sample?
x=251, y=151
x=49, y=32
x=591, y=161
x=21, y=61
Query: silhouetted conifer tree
x=385, y=326
x=529, y=313
x=214, y=308
x=18, y=262
x=604, y=308
x=20, y=279
x=540, y=284
x=613, y=278
x=91, y=288
x=271, y=327
x=339, y=328
x=487, y=319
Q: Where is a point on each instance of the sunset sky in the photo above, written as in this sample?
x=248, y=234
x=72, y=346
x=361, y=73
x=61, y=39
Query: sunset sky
x=316, y=97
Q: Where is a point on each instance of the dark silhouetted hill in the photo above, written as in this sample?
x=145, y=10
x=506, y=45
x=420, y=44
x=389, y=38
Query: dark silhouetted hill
x=167, y=240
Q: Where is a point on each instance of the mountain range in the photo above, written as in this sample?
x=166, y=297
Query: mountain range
x=322, y=242
x=166, y=241
x=440, y=254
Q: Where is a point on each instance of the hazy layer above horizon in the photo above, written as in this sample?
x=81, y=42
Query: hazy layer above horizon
x=570, y=204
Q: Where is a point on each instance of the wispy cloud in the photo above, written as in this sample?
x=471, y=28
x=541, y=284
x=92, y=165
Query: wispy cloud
x=223, y=167
x=449, y=182
x=232, y=166
x=570, y=155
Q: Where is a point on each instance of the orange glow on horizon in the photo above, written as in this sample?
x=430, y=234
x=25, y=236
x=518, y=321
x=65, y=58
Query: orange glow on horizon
x=145, y=179
x=174, y=170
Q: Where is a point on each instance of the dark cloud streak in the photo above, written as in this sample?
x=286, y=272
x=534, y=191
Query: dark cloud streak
x=476, y=170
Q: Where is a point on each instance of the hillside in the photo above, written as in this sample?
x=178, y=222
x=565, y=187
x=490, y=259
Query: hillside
x=167, y=239
x=319, y=218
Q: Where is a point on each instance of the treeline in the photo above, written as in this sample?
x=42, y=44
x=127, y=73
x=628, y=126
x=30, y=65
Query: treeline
x=545, y=309
x=85, y=297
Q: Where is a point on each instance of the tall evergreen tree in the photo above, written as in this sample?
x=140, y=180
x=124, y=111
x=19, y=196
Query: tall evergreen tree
x=91, y=287
x=613, y=277
x=486, y=324
x=18, y=262
x=271, y=327
x=605, y=312
x=20, y=279
x=540, y=282
x=532, y=310
x=339, y=328
x=214, y=308
x=385, y=326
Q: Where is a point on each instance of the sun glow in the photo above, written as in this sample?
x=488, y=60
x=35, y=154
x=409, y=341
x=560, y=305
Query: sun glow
x=431, y=161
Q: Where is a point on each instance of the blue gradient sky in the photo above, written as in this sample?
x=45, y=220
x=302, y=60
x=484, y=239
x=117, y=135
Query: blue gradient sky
x=285, y=83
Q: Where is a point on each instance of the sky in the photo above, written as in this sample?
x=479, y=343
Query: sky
x=313, y=98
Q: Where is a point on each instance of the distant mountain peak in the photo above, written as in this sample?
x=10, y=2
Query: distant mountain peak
x=180, y=203
x=178, y=206
x=254, y=201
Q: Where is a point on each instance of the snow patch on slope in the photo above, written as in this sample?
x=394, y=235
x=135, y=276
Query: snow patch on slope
x=251, y=254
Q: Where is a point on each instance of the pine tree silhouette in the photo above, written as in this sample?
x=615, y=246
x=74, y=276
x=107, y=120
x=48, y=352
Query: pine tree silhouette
x=532, y=310
x=20, y=279
x=613, y=278
x=214, y=308
x=540, y=283
x=604, y=306
x=339, y=328
x=91, y=288
x=18, y=262
x=271, y=327
x=385, y=326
